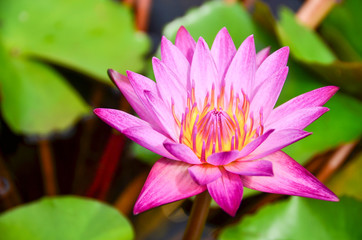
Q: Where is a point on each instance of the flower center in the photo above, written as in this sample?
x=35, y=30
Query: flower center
x=222, y=124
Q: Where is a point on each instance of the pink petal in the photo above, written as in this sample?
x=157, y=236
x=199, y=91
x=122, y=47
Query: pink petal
x=276, y=141
x=163, y=114
x=119, y=120
x=227, y=191
x=203, y=71
x=250, y=147
x=185, y=43
x=289, y=178
x=223, y=158
x=204, y=174
x=251, y=168
x=175, y=60
x=167, y=182
x=126, y=88
x=314, y=98
x=182, y=152
x=261, y=56
x=273, y=63
x=223, y=51
x=241, y=72
x=299, y=119
x=134, y=128
x=267, y=94
x=148, y=138
x=170, y=89
x=141, y=84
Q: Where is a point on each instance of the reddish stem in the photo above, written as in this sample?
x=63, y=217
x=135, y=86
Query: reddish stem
x=128, y=197
x=143, y=9
x=107, y=166
x=48, y=169
x=336, y=160
x=312, y=12
x=79, y=181
x=198, y=216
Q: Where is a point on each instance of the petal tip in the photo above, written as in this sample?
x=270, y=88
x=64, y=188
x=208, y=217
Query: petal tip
x=98, y=111
x=334, y=198
x=137, y=209
x=164, y=43
x=182, y=28
x=129, y=73
x=155, y=60
x=231, y=211
x=333, y=89
x=250, y=38
x=111, y=72
x=202, y=41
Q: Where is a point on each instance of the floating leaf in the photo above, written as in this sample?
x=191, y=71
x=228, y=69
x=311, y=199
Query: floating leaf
x=86, y=35
x=300, y=219
x=308, y=48
x=207, y=20
x=35, y=98
x=304, y=43
x=345, y=22
x=70, y=218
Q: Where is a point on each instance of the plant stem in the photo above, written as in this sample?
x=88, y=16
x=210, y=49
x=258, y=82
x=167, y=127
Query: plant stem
x=198, y=216
x=312, y=12
x=143, y=9
x=47, y=163
x=80, y=181
x=336, y=161
x=128, y=197
x=107, y=167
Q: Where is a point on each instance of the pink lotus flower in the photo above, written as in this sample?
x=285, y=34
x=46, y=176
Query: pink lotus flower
x=210, y=115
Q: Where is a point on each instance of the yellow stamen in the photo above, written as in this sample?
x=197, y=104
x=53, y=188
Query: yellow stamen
x=211, y=129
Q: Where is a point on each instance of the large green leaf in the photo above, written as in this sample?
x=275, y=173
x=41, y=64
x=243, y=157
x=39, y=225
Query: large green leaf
x=308, y=48
x=207, y=20
x=345, y=22
x=87, y=35
x=69, y=218
x=300, y=219
x=304, y=43
x=35, y=98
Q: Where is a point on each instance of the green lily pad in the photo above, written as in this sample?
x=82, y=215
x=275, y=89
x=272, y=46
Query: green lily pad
x=300, y=219
x=304, y=43
x=308, y=48
x=207, y=20
x=86, y=35
x=70, y=218
x=35, y=98
x=344, y=21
